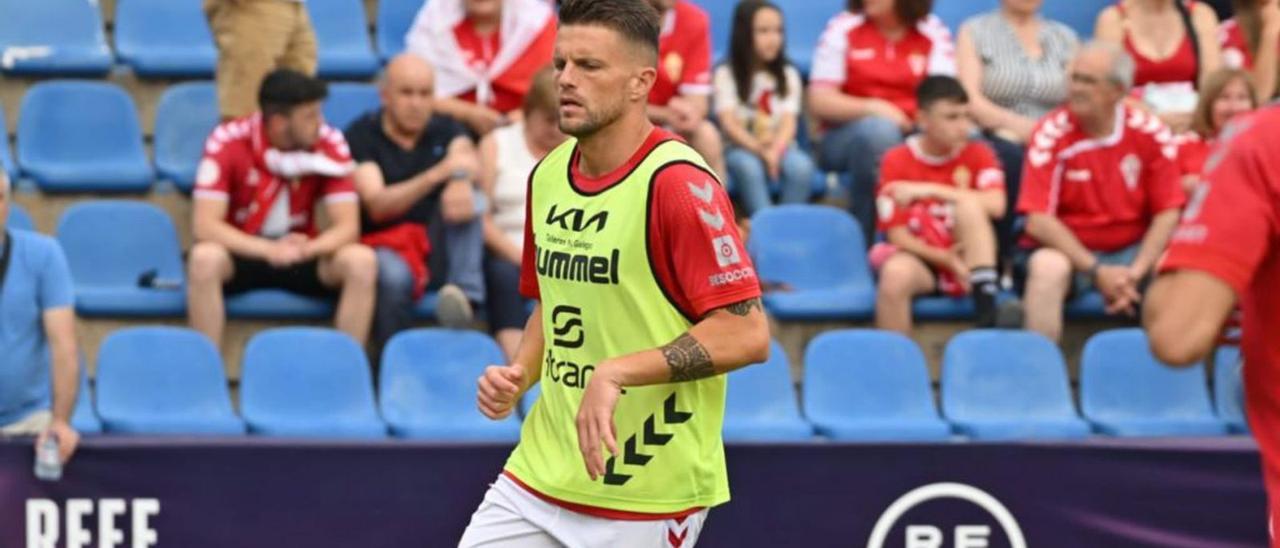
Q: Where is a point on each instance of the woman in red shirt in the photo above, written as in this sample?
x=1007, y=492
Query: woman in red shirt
x=1251, y=41
x=1227, y=93
x=1174, y=44
x=865, y=71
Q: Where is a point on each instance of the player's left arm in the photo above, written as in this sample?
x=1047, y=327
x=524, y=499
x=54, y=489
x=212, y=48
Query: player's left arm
x=726, y=339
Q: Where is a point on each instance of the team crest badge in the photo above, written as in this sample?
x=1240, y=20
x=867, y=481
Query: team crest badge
x=674, y=65
x=1130, y=169
x=917, y=63
x=962, y=177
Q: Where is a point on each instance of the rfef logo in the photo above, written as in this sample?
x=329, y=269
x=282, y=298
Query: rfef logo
x=946, y=515
x=91, y=522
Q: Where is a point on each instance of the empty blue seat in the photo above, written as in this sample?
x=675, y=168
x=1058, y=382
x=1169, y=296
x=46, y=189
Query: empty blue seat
x=163, y=38
x=53, y=37
x=267, y=304
x=83, y=417
x=342, y=38
x=954, y=12
x=761, y=402
x=308, y=382
x=185, y=116
x=428, y=386
x=348, y=101
x=819, y=252
x=109, y=245
x=1080, y=15
x=805, y=22
x=869, y=385
x=1003, y=385
x=163, y=380
x=1125, y=391
x=395, y=17
x=1228, y=388
x=69, y=149
x=19, y=218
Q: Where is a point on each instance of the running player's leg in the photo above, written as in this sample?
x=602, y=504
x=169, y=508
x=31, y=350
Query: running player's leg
x=508, y=518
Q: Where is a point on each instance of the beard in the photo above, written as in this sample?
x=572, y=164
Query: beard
x=593, y=122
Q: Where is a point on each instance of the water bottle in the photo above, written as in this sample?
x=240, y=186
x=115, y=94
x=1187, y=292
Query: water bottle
x=48, y=464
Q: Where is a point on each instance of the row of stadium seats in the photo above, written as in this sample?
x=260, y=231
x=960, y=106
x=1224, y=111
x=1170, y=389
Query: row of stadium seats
x=996, y=385
x=166, y=38
x=101, y=149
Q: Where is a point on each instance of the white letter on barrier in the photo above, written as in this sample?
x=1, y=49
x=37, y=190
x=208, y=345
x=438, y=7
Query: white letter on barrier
x=143, y=535
x=77, y=535
x=923, y=536
x=42, y=523
x=972, y=536
x=109, y=536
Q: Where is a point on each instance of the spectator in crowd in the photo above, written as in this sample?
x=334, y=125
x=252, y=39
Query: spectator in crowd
x=937, y=196
x=1100, y=191
x=254, y=209
x=1251, y=41
x=484, y=53
x=253, y=38
x=681, y=96
x=38, y=334
x=866, y=68
x=1174, y=45
x=1013, y=63
x=758, y=97
x=414, y=173
x=1226, y=94
x=507, y=157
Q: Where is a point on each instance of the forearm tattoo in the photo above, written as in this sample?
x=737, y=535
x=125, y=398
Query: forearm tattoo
x=688, y=359
x=743, y=308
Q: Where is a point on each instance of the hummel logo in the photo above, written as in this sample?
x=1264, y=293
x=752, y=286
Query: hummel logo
x=705, y=193
x=713, y=220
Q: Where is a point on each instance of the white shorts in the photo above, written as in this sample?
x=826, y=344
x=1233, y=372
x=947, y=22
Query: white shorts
x=511, y=516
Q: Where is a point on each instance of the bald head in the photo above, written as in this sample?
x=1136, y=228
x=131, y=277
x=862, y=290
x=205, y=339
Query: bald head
x=1105, y=58
x=408, y=91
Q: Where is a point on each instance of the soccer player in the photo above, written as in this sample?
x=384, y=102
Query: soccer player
x=938, y=194
x=1227, y=249
x=647, y=299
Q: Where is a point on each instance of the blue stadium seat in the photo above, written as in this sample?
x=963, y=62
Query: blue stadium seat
x=83, y=417
x=1088, y=305
x=1228, y=388
x=185, y=116
x=53, y=37
x=761, y=403
x=308, y=382
x=941, y=307
x=95, y=149
x=426, y=307
x=163, y=380
x=278, y=304
x=530, y=398
x=955, y=12
x=109, y=244
x=342, y=36
x=6, y=158
x=163, y=38
x=1124, y=391
x=868, y=385
x=1080, y=15
x=819, y=252
x=19, y=218
x=348, y=101
x=395, y=17
x=1008, y=385
x=805, y=21
x=427, y=386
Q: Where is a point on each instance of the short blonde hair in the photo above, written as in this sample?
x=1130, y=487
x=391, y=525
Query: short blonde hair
x=1214, y=84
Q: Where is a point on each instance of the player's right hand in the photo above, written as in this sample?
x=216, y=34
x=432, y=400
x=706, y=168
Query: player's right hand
x=498, y=390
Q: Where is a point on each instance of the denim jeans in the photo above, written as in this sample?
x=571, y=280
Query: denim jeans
x=747, y=173
x=856, y=148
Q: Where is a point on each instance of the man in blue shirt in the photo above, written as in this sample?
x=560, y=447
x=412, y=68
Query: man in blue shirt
x=37, y=328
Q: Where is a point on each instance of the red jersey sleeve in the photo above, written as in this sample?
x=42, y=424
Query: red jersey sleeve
x=1038, y=167
x=696, y=77
x=528, y=255
x=895, y=166
x=987, y=173
x=1231, y=220
x=1162, y=175
x=694, y=244
x=218, y=166
x=334, y=147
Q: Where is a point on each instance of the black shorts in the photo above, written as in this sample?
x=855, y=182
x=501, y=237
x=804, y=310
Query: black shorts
x=301, y=278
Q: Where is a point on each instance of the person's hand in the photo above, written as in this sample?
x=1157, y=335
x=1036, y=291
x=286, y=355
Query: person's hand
x=885, y=109
x=67, y=437
x=285, y=253
x=483, y=119
x=684, y=119
x=461, y=163
x=1269, y=15
x=596, y=430
x=772, y=162
x=1119, y=287
x=458, y=202
x=498, y=389
x=905, y=194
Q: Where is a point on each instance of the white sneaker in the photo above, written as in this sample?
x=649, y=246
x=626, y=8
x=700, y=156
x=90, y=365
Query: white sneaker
x=453, y=310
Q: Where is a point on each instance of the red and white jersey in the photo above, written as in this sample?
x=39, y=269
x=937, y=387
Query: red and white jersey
x=973, y=167
x=1235, y=48
x=1231, y=230
x=684, y=54
x=1105, y=190
x=1193, y=150
x=855, y=57
x=234, y=169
